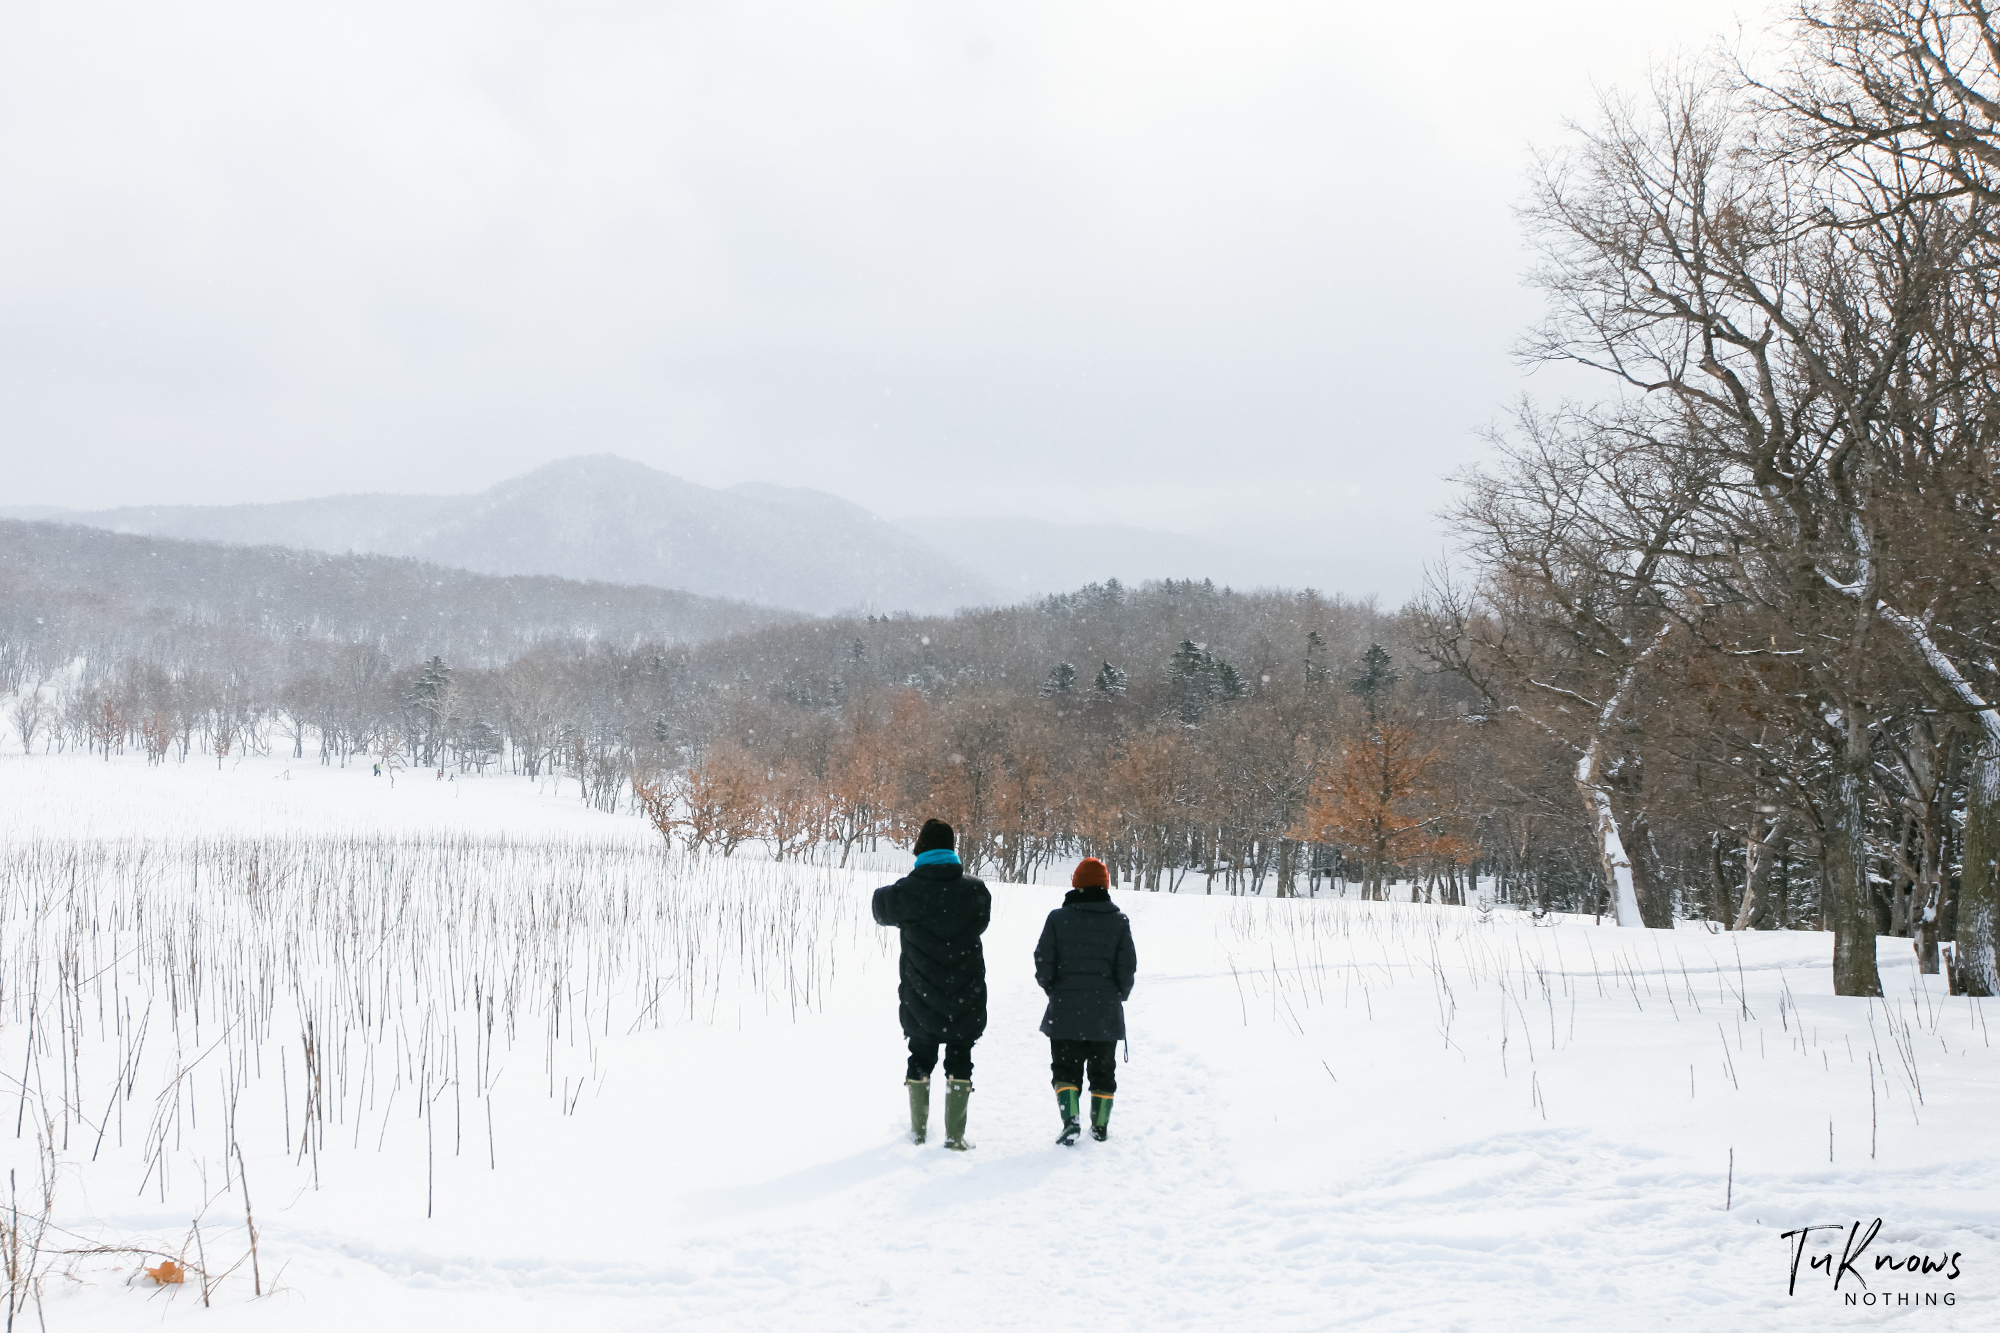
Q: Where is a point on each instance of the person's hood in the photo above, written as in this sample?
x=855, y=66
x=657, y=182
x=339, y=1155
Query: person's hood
x=1087, y=897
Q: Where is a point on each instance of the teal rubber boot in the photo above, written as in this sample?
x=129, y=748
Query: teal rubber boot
x=1070, y=1102
x=1100, y=1116
x=920, y=1108
x=957, y=1093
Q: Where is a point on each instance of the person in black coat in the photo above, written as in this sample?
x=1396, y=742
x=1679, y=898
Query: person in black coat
x=942, y=912
x=1085, y=963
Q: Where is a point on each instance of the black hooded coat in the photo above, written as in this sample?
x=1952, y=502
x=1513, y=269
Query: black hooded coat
x=1086, y=963
x=942, y=912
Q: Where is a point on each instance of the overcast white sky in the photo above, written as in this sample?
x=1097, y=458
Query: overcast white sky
x=1242, y=268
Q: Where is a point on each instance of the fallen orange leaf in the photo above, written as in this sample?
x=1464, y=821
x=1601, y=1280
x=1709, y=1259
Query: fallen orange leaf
x=167, y=1272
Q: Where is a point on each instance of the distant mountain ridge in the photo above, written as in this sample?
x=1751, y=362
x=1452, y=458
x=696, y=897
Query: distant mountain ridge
x=67, y=589
x=607, y=519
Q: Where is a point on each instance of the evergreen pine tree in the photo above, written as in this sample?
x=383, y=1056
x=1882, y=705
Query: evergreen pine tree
x=1187, y=681
x=1196, y=678
x=482, y=744
x=430, y=700
x=1374, y=681
x=1317, y=673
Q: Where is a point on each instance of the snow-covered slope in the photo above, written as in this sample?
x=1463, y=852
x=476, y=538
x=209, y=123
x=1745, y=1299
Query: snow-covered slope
x=1334, y=1114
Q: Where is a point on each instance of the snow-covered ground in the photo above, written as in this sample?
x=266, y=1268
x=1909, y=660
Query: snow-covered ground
x=1334, y=1114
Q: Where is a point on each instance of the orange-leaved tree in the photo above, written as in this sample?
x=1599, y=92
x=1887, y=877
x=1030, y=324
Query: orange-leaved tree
x=861, y=781
x=1139, y=810
x=798, y=809
x=1377, y=799
x=722, y=798
x=655, y=795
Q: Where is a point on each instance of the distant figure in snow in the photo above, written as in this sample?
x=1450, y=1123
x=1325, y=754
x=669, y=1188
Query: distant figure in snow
x=942, y=912
x=378, y=770
x=1085, y=963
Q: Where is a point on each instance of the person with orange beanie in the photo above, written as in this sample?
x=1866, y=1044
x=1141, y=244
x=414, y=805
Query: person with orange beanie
x=1085, y=963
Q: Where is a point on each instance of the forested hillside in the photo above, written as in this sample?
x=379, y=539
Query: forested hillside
x=263, y=613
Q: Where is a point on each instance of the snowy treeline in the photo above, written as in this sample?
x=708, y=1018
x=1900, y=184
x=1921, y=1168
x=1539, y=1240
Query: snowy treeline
x=1166, y=751
x=1181, y=730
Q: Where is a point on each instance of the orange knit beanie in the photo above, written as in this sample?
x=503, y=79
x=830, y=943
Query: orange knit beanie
x=1090, y=874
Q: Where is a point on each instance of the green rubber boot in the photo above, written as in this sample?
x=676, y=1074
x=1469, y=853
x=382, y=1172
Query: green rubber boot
x=1070, y=1102
x=957, y=1092
x=1100, y=1116
x=920, y=1107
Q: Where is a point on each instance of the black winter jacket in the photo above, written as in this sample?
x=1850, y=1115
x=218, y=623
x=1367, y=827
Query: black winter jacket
x=942, y=912
x=1086, y=963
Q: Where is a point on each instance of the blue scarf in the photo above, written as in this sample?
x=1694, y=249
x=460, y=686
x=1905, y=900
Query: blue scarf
x=938, y=856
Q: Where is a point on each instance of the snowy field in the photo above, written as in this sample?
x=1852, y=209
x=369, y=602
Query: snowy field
x=487, y=1059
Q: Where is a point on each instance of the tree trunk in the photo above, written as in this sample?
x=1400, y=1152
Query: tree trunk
x=1979, y=883
x=1611, y=855
x=1974, y=961
x=1651, y=884
x=1760, y=856
x=1900, y=884
x=1928, y=904
x=1850, y=908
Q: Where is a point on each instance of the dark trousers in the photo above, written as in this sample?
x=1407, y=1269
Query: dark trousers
x=924, y=1053
x=1067, y=1059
